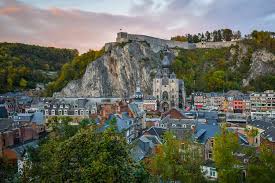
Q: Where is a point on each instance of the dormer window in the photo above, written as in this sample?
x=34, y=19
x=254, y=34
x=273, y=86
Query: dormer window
x=54, y=106
x=61, y=106
x=174, y=125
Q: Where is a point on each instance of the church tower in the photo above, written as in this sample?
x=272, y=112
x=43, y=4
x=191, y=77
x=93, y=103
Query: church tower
x=168, y=90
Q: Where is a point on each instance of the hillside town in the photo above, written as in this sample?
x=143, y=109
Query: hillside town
x=144, y=119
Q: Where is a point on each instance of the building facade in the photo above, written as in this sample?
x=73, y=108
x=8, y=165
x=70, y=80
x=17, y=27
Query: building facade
x=168, y=90
x=263, y=104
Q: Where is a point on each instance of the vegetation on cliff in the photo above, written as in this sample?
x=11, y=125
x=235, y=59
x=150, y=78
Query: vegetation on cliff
x=220, y=69
x=73, y=70
x=22, y=65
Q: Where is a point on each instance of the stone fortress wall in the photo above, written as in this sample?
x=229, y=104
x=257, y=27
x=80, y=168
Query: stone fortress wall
x=158, y=44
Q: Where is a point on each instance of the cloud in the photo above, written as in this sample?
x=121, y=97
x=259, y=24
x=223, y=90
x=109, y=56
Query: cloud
x=84, y=30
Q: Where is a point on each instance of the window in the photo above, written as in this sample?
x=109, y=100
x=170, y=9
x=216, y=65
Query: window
x=87, y=112
x=75, y=112
x=212, y=172
x=81, y=112
x=184, y=126
x=59, y=112
x=210, y=155
x=53, y=112
x=174, y=125
x=65, y=112
x=46, y=112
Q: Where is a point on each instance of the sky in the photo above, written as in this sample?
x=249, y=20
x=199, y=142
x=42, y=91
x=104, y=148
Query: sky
x=88, y=24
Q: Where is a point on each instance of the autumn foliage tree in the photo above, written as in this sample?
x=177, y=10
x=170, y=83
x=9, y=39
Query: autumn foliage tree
x=225, y=146
x=85, y=155
x=176, y=161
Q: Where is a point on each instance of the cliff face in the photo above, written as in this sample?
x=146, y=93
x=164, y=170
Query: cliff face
x=262, y=63
x=117, y=72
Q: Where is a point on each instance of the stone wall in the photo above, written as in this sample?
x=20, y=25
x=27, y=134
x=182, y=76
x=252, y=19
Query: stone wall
x=158, y=44
x=215, y=44
x=155, y=43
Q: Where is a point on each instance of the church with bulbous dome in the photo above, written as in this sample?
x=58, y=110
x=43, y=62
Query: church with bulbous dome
x=169, y=91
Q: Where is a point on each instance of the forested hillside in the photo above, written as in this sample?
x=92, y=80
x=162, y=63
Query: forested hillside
x=73, y=70
x=225, y=68
x=22, y=65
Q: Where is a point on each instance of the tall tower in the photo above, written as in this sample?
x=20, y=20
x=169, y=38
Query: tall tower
x=168, y=90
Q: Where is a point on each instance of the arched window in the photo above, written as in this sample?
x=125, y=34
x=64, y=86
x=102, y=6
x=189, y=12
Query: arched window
x=165, y=95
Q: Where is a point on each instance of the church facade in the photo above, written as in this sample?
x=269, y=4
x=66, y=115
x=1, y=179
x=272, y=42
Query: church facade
x=169, y=91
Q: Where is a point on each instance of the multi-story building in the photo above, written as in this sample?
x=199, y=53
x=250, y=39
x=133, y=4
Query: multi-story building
x=74, y=107
x=263, y=104
x=150, y=103
x=168, y=90
x=262, y=132
x=214, y=100
x=209, y=100
x=199, y=99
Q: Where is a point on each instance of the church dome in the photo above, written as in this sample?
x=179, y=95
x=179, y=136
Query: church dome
x=166, y=62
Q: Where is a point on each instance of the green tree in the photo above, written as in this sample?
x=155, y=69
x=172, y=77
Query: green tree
x=7, y=170
x=207, y=35
x=216, y=81
x=175, y=161
x=179, y=38
x=261, y=168
x=86, y=156
x=227, y=34
x=23, y=83
x=225, y=145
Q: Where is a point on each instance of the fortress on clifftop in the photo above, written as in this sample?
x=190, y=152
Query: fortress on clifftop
x=159, y=44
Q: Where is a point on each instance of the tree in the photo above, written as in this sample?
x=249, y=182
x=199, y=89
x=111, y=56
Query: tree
x=23, y=83
x=7, y=170
x=219, y=35
x=175, y=161
x=225, y=145
x=215, y=36
x=227, y=34
x=207, y=35
x=196, y=39
x=216, y=81
x=190, y=38
x=179, y=38
x=86, y=156
x=261, y=168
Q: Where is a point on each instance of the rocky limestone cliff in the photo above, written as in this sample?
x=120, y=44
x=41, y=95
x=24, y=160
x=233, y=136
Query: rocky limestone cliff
x=262, y=63
x=116, y=73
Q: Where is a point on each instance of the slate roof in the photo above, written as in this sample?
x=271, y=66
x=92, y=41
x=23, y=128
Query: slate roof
x=144, y=146
x=149, y=97
x=268, y=125
x=3, y=111
x=38, y=118
x=205, y=131
x=21, y=150
x=5, y=124
x=134, y=109
x=122, y=123
x=156, y=131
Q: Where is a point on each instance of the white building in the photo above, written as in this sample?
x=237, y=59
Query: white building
x=168, y=90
